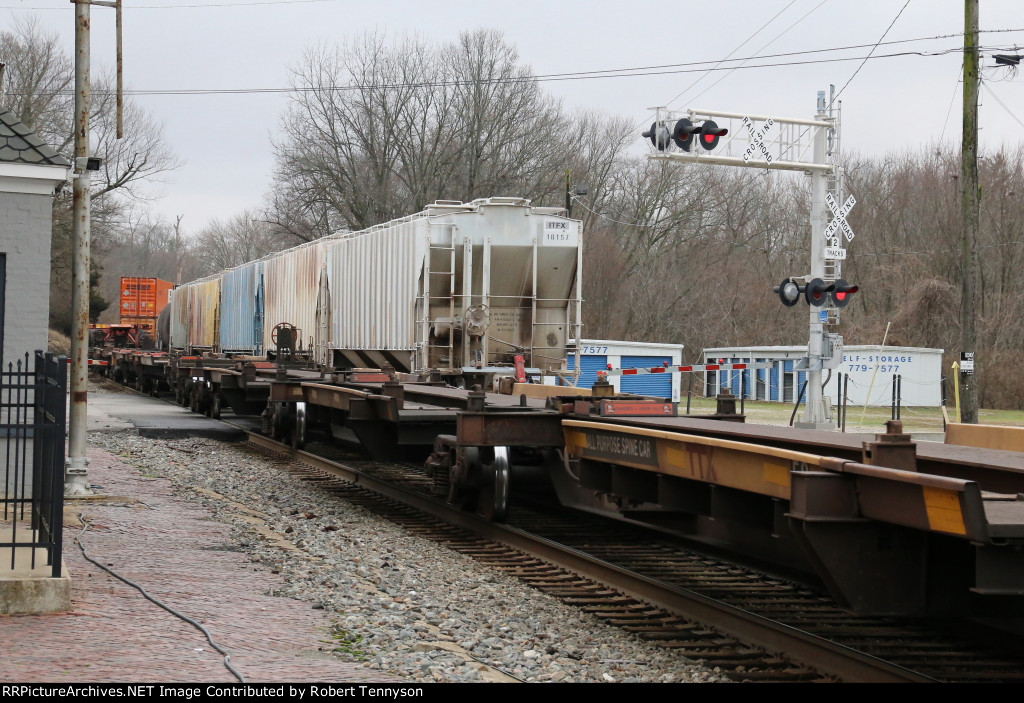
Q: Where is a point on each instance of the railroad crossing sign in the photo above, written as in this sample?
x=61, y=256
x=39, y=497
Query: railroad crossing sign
x=757, y=137
x=839, y=218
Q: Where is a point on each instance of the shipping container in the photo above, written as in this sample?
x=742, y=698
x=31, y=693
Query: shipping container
x=142, y=298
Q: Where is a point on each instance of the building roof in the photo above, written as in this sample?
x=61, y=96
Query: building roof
x=19, y=145
x=803, y=349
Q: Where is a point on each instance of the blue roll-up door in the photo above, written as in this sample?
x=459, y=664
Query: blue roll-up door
x=658, y=385
x=734, y=378
x=774, y=383
x=589, y=366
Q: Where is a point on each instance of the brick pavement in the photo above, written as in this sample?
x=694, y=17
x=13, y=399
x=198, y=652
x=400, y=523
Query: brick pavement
x=184, y=558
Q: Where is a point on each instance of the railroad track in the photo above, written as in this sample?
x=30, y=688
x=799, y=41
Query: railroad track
x=723, y=613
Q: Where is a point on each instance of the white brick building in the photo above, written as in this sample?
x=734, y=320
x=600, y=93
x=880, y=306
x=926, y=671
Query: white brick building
x=30, y=172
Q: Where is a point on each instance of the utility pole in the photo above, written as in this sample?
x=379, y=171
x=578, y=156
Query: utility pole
x=76, y=478
x=970, y=209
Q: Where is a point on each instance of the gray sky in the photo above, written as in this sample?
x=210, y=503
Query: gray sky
x=891, y=104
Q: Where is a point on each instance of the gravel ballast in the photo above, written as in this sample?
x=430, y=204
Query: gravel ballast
x=399, y=603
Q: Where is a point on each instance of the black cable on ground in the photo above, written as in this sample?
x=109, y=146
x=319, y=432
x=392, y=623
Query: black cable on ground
x=172, y=611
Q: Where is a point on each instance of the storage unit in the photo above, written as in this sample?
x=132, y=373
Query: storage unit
x=597, y=354
x=870, y=368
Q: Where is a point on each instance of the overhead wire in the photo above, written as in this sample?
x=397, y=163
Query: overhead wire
x=727, y=57
x=898, y=14
x=498, y=81
x=776, y=38
x=204, y=5
x=995, y=97
x=652, y=70
x=956, y=88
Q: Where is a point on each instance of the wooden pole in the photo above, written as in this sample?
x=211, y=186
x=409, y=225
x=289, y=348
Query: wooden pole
x=970, y=209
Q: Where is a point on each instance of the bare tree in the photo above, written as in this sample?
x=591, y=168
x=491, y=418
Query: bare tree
x=377, y=130
x=225, y=244
x=38, y=81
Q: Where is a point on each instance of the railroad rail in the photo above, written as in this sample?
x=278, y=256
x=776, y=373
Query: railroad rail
x=755, y=626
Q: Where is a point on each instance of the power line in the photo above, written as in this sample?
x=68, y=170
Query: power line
x=870, y=52
x=170, y=7
x=949, y=111
x=1002, y=104
x=543, y=78
x=780, y=34
x=742, y=44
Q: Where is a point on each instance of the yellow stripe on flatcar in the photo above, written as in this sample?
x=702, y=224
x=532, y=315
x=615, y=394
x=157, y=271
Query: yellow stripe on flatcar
x=723, y=462
x=943, y=509
x=775, y=473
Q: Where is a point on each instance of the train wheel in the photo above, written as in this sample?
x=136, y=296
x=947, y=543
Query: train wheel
x=214, y=411
x=492, y=499
x=278, y=421
x=297, y=436
x=462, y=490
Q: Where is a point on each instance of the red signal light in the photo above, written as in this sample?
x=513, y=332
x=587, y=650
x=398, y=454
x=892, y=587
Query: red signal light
x=842, y=292
x=710, y=133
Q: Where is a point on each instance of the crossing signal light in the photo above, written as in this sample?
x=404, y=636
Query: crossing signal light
x=817, y=292
x=659, y=135
x=842, y=292
x=682, y=134
x=789, y=292
x=710, y=133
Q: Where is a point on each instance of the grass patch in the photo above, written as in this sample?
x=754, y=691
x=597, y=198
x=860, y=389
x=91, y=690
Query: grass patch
x=858, y=419
x=345, y=642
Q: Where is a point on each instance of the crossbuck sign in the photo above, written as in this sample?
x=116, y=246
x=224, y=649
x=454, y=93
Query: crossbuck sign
x=757, y=137
x=839, y=219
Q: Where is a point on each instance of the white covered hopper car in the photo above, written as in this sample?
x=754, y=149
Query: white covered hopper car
x=460, y=288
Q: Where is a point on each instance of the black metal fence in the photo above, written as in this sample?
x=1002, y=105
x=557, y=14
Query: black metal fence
x=33, y=397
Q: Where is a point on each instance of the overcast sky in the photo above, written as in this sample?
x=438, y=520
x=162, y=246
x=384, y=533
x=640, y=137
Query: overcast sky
x=892, y=103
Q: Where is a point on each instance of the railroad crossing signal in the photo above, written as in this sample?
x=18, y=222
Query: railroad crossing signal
x=816, y=292
x=682, y=133
x=659, y=135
